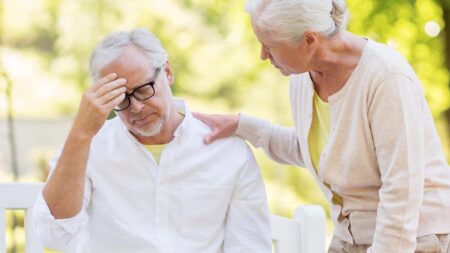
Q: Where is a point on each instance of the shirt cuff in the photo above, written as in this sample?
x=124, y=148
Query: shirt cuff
x=43, y=216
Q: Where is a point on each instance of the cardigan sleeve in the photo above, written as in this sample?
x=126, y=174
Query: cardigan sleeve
x=395, y=118
x=279, y=143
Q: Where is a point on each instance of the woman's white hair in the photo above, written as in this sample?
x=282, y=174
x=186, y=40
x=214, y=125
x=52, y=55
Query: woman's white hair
x=288, y=20
x=111, y=48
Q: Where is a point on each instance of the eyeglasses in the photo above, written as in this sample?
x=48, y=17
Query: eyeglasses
x=141, y=93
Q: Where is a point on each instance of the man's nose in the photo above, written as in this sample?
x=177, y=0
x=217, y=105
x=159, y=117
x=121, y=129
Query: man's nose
x=135, y=105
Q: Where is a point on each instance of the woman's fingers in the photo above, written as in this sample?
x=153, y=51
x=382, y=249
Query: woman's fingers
x=213, y=136
x=204, y=118
x=222, y=126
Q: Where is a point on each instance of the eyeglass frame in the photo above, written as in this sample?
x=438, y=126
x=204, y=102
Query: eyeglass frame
x=129, y=95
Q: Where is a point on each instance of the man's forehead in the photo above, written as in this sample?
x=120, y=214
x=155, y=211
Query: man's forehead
x=128, y=65
x=135, y=75
x=128, y=56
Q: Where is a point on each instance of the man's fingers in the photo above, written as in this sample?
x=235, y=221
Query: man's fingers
x=115, y=102
x=104, y=80
x=106, y=98
x=110, y=86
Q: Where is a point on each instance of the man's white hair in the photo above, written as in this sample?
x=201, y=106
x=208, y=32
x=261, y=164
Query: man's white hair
x=288, y=20
x=111, y=48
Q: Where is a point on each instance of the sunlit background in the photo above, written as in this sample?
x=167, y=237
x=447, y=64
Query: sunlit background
x=45, y=47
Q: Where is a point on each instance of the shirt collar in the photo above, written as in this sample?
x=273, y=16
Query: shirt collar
x=183, y=130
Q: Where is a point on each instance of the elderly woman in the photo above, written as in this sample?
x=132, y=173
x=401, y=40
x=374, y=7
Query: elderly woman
x=362, y=128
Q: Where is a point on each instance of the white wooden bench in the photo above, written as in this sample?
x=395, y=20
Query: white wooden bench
x=19, y=196
x=304, y=234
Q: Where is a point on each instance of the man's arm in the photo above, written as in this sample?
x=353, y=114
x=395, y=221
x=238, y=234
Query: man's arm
x=396, y=121
x=63, y=192
x=58, y=233
x=59, y=212
x=247, y=226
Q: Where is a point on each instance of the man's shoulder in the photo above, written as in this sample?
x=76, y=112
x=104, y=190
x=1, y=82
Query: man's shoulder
x=233, y=143
x=232, y=152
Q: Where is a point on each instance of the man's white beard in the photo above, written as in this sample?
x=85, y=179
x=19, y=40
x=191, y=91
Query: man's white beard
x=149, y=131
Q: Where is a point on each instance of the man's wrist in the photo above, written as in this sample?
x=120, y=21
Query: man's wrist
x=80, y=136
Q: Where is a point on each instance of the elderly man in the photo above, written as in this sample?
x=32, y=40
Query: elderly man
x=145, y=181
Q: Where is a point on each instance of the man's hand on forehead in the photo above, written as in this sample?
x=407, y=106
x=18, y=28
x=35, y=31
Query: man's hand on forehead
x=109, y=88
x=97, y=102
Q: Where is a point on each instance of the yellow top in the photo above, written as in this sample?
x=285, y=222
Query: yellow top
x=318, y=136
x=320, y=129
x=156, y=151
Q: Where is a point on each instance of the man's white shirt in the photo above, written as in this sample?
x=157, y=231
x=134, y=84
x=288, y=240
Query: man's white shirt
x=200, y=198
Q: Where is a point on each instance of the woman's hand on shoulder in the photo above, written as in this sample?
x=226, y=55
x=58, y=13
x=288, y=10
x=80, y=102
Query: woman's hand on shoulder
x=222, y=126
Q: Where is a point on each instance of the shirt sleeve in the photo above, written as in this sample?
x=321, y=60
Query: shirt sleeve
x=396, y=121
x=279, y=143
x=58, y=233
x=247, y=226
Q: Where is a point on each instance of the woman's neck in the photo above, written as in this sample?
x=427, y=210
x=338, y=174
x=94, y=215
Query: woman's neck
x=335, y=60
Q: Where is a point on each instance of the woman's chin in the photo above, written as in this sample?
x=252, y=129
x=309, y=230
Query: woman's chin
x=284, y=71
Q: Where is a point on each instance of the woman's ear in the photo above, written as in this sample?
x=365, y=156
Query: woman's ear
x=311, y=40
x=169, y=73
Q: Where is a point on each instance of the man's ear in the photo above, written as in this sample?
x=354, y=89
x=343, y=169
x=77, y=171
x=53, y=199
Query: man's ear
x=169, y=73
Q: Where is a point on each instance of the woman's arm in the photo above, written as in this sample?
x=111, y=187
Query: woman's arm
x=279, y=143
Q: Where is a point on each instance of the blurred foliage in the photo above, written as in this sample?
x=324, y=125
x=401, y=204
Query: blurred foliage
x=46, y=45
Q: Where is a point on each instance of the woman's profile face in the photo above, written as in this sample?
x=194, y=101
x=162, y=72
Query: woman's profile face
x=289, y=58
